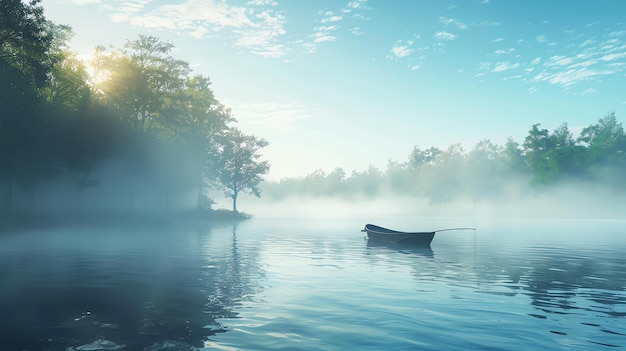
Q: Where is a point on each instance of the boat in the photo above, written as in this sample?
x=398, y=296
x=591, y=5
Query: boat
x=380, y=234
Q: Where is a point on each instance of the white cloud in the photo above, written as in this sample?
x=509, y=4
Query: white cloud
x=262, y=3
x=570, y=77
x=504, y=51
x=443, y=35
x=271, y=115
x=84, y=2
x=541, y=39
x=325, y=28
x=401, y=51
x=497, y=40
x=504, y=66
x=327, y=33
x=487, y=23
x=451, y=21
x=357, y=4
x=536, y=61
x=589, y=91
x=257, y=27
x=331, y=19
x=613, y=57
x=484, y=66
x=321, y=37
x=560, y=61
x=587, y=42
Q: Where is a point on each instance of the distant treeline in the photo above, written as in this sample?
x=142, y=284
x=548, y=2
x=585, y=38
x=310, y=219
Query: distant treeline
x=135, y=124
x=597, y=155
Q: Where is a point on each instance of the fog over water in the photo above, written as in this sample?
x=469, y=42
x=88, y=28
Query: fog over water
x=578, y=200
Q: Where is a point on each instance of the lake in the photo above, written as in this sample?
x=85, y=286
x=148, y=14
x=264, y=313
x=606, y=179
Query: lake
x=301, y=283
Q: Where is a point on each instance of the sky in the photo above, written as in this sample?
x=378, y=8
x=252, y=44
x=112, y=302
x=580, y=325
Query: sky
x=340, y=83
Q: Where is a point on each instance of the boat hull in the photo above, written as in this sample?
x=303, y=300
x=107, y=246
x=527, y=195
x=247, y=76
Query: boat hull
x=381, y=234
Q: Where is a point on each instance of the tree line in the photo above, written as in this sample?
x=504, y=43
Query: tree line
x=544, y=158
x=140, y=126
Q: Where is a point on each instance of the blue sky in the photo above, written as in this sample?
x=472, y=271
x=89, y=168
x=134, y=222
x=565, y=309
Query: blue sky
x=355, y=83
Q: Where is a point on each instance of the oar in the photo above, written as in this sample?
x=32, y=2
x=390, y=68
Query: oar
x=445, y=230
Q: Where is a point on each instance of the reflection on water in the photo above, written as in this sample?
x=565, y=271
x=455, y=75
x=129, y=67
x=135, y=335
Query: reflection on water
x=136, y=286
x=271, y=284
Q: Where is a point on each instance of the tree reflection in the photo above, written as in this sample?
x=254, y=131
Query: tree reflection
x=134, y=286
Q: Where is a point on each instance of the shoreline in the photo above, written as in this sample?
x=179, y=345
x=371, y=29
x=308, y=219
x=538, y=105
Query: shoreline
x=18, y=220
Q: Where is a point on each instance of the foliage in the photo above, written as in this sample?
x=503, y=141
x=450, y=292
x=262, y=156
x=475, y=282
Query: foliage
x=140, y=122
x=544, y=159
x=237, y=167
x=143, y=122
x=24, y=40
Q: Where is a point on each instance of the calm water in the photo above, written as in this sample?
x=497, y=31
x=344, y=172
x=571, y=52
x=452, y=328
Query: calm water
x=316, y=284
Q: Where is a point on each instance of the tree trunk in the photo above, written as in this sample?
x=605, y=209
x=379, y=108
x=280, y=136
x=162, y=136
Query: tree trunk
x=235, y=193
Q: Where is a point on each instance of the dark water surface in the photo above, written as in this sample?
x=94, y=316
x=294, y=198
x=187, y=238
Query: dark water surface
x=315, y=284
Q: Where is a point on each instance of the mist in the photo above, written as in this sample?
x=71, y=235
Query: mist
x=517, y=198
x=165, y=145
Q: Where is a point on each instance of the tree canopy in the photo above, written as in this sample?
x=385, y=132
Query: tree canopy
x=237, y=167
x=141, y=113
x=544, y=158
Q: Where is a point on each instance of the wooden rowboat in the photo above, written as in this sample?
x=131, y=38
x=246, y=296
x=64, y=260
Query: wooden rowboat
x=381, y=234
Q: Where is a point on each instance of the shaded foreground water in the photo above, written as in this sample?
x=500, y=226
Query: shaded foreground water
x=315, y=284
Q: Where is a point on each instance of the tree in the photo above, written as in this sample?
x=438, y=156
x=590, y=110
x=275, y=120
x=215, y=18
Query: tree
x=511, y=157
x=67, y=87
x=25, y=63
x=419, y=157
x=400, y=178
x=482, y=174
x=605, y=141
x=442, y=180
x=367, y=182
x=140, y=83
x=24, y=40
x=236, y=167
x=566, y=153
x=200, y=121
x=537, y=146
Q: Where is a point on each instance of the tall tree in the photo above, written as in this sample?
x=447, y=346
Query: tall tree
x=537, y=146
x=68, y=84
x=24, y=40
x=237, y=167
x=605, y=141
x=566, y=154
x=141, y=80
x=419, y=157
x=512, y=158
x=200, y=120
x=25, y=63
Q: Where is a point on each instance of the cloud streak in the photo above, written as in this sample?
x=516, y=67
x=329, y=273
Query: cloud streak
x=272, y=115
x=257, y=27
